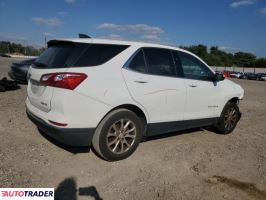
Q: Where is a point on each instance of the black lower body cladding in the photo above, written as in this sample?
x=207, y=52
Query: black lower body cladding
x=70, y=136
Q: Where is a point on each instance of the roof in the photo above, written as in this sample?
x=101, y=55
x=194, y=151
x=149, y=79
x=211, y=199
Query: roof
x=121, y=42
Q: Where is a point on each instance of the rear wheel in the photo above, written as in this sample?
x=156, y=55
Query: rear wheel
x=118, y=135
x=228, y=119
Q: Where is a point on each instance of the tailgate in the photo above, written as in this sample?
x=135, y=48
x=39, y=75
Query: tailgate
x=40, y=95
x=53, y=60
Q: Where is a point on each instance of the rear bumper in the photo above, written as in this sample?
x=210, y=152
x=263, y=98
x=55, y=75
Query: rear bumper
x=69, y=136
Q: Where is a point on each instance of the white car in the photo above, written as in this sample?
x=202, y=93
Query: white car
x=236, y=74
x=262, y=77
x=111, y=93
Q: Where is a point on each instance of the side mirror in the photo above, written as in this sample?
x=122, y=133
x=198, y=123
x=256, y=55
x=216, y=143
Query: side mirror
x=218, y=77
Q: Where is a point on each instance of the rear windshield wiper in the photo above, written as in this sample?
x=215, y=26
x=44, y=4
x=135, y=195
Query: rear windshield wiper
x=39, y=64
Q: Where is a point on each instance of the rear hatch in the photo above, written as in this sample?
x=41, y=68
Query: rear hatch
x=57, y=58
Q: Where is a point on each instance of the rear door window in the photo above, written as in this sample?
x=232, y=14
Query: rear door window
x=68, y=54
x=160, y=62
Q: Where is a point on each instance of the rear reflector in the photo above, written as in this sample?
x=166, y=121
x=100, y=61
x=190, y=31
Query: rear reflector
x=66, y=80
x=57, y=123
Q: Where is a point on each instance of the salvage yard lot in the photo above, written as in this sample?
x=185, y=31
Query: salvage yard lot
x=196, y=164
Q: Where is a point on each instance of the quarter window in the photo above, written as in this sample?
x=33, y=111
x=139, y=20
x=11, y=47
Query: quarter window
x=160, y=62
x=194, y=68
x=138, y=63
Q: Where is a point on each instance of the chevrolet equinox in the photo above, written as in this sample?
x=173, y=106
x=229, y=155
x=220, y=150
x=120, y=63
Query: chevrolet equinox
x=110, y=94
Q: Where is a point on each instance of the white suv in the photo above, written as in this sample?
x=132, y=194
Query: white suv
x=112, y=93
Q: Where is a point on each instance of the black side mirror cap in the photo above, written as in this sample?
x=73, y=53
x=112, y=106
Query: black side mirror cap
x=218, y=77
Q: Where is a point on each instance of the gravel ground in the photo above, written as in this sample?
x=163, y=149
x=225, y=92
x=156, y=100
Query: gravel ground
x=196, y=164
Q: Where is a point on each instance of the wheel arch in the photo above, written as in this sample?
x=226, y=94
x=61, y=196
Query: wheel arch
x=135, y=109
x=234, y=100
x=219, y=126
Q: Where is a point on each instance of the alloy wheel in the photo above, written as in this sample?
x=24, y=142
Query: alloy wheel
x=121, y=136
x=230, y=118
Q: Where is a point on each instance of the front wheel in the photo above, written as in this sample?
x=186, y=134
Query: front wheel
x=118, y=135
x=228, y=119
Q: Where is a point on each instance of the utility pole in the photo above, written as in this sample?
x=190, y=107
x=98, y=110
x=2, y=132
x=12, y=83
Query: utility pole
x=25, y=49
x=8, y=49
x=45, y=40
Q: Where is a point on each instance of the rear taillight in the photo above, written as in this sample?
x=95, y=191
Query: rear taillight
x=66, y=80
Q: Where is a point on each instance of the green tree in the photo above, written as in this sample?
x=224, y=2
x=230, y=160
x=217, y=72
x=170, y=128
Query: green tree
x=245, y=59
x=260, y=63
x=8, y=47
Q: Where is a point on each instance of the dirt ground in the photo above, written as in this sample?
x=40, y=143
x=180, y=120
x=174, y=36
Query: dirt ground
x=196, y=164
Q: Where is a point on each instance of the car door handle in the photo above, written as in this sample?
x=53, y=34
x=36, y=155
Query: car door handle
x=192, y=85
x=138, y=81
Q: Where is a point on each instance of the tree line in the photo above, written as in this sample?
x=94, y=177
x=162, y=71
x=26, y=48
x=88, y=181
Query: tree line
x=15, y=48
x=213, y=56
x=216, y=57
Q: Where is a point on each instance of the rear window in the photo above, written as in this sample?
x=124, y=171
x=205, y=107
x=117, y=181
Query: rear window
x=54, y=57
x=69, y=54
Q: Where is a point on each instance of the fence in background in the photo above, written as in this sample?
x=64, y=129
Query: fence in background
x=240, y=69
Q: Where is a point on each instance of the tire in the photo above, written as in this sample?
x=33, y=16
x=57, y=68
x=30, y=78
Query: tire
x=226, y=125
x=2, y=88
x=114, y=143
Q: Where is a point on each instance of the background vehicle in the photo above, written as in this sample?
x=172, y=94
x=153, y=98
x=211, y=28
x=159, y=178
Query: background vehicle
x=243, y=76
x=235, y=74
x=4, y=55
x=226, y=74
x=111, y=93
x=262, y=76
x=19, y=70
x=251, y=76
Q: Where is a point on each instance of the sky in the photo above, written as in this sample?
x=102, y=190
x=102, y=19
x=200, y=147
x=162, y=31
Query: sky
x=233, y=25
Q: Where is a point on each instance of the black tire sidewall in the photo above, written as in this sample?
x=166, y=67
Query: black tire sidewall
x=107, y=154
x=2, y=88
